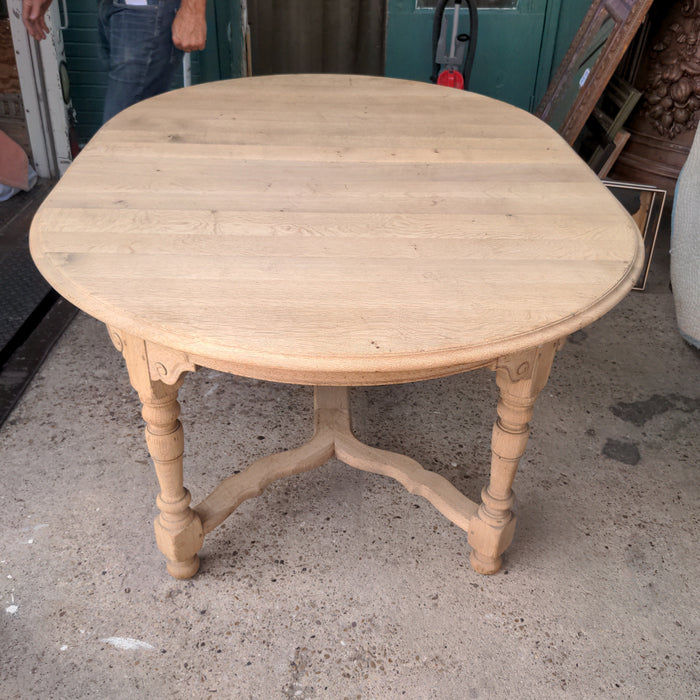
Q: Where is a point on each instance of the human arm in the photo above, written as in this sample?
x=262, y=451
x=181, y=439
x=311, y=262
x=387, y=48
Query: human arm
x=34, y=17
x=190, y=25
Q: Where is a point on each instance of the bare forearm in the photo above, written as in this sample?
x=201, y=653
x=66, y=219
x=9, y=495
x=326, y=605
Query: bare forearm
x=190, y=25
x=34, y=17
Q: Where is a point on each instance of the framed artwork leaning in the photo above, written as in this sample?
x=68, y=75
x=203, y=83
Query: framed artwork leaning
x=646, y=205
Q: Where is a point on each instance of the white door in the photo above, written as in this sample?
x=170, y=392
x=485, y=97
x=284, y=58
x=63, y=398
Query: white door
x=45, y=89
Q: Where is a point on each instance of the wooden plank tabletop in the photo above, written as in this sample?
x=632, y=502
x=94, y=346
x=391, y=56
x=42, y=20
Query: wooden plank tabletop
x=335, y=229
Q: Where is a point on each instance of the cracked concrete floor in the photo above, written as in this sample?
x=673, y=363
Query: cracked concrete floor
x=337, y=583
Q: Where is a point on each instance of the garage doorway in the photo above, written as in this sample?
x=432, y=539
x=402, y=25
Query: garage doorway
x=317, y=36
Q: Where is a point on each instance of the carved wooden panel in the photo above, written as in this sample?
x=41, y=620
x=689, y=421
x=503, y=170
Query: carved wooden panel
x=672, y=93
x=663, y=126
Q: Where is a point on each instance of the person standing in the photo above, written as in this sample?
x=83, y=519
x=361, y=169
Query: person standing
x=141, y=40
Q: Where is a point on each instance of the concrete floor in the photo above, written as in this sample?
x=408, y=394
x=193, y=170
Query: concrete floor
x=338, y=583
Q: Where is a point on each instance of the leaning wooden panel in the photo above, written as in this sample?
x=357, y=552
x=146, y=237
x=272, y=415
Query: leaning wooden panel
x=595, y=52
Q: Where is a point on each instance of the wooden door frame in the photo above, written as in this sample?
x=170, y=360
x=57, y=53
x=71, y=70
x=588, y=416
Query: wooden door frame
x=45, y=108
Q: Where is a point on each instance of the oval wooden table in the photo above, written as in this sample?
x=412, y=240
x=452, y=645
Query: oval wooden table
x=334, y=231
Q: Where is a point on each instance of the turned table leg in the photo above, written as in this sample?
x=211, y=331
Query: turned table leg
x=520, y=379
x=178, y=528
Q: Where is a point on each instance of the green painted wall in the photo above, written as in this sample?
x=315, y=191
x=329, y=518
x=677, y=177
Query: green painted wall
x=517, y=49
x=87, y=75
x=507, y=50
x=569, y=22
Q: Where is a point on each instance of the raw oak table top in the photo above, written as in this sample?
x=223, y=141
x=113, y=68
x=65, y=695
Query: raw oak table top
x=333, y=231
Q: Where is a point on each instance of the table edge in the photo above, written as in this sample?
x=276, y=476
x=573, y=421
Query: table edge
x=349, y=370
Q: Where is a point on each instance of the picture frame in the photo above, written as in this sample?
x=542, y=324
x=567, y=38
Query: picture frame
x=645, y=204
x=603, y=137
x=619, y=142
x=598, y=47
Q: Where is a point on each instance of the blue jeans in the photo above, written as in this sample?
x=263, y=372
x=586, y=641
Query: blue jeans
x=136, y=41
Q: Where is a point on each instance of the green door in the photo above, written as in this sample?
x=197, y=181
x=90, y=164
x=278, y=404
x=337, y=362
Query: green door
x=516, y=47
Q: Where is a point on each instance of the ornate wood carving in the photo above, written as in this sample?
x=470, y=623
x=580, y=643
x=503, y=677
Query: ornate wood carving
x=116, y=338
x=167, y=365
x=672, y=93
x=164, y=365
x=665, y=121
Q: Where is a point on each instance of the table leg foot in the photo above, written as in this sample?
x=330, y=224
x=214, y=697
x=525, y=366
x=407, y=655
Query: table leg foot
x=179, y=535
x=490, y=533
x=485, y=565
x=184, y=569
x=520, y=379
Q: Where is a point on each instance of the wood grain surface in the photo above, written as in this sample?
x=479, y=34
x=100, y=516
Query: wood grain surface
x=335, y=229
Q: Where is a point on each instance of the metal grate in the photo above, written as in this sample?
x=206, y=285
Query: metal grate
x=22, y=289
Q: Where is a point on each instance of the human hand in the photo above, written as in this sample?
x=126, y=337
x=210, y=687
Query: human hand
x=190, y=26
x=34, y=17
